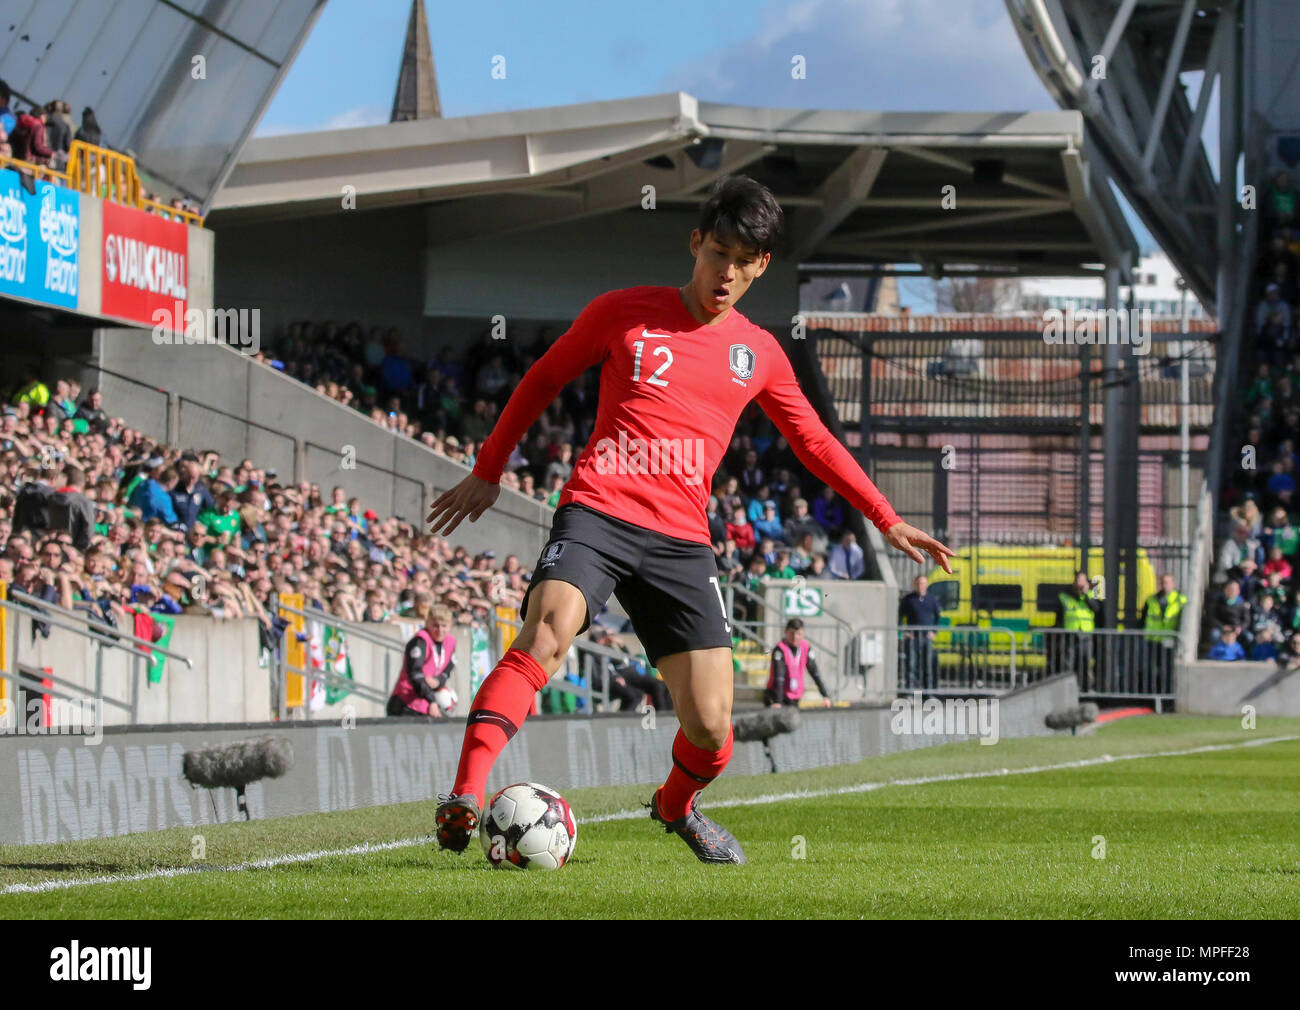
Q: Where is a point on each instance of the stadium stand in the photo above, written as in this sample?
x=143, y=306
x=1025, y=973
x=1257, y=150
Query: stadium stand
x=99, y=518
x=176, y=530
x=451, y=403
x=39, y=143
x=1258, y=542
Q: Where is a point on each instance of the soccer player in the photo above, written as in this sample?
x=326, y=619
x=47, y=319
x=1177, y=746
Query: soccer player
x=678, y=365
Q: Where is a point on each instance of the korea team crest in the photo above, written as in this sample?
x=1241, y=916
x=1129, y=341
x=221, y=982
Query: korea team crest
x=552, y=553
x=742, y=361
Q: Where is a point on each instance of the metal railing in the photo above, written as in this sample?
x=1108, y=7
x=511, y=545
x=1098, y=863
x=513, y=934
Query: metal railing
x=42, y=173
x=1110, y=662
x=159, y=408
x=410, y=497
x=104, y=173
x=591, y=658
x=589, y=655
x=103, y=636
x=201, y=424
x=965, y=659
x=187, y=422
x=281, y=667
x=830, y=641
x=940, y=659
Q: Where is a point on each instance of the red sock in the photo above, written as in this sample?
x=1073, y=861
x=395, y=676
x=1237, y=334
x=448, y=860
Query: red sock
x=693, y=769
x=499, y=709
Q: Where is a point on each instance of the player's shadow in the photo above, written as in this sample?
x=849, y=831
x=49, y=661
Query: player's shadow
x=67, y=867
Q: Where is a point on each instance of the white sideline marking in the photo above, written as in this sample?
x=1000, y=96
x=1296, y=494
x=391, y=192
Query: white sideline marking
x=272, y=862
x=867, y=787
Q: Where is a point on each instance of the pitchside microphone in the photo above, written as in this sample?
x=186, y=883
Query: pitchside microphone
x=1073, y=718
x=235, y=765
x=763, y=725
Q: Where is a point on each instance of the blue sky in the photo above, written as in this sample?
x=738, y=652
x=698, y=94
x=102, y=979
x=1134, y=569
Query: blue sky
x=865, y=54
x=869, y=54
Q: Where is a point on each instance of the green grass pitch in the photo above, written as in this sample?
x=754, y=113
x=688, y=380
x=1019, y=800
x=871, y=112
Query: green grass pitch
x=1210, y=834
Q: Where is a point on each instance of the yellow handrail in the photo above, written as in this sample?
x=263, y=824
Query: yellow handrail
x=174, y=213
x=98, y=171
x=39, y=171
x=106, y=174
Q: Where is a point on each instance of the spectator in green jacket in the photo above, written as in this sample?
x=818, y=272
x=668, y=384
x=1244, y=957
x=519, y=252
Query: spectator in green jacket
x=224, y=523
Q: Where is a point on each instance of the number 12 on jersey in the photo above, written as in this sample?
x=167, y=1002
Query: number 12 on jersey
x=654, y=379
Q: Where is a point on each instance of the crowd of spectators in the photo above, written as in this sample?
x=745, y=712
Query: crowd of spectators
x=1255, y=613
x=768, y=517
x=42, y=136
x=96, y=516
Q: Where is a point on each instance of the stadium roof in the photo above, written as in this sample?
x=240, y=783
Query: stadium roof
x=1118, y=62
x=862, y=190
x=135, y=63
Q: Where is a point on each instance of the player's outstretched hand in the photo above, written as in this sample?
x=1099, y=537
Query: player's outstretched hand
x=471, y=497
x=908, y=539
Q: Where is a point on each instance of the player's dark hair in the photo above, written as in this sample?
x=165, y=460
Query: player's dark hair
x=740, y=209
x=794, y=624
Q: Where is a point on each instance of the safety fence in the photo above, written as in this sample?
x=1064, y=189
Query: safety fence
x=297, y=672
x=315, y=646
x=948, y=659
x=104, y=173
x=115, y=684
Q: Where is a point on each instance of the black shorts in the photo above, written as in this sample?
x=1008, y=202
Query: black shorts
x=668, y=586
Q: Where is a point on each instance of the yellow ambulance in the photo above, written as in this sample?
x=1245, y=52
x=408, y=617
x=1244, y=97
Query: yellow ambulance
x=1016, y=587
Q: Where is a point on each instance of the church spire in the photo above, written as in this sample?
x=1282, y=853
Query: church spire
x=417, y=86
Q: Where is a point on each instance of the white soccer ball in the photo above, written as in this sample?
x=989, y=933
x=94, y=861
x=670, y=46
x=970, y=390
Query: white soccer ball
x=445, y=698
x=528, y=827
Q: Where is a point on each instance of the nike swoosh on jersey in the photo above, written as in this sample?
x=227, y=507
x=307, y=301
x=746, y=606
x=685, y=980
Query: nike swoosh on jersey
x=661, y=336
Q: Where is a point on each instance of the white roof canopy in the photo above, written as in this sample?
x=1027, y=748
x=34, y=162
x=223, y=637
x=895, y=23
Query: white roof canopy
x=864, y=189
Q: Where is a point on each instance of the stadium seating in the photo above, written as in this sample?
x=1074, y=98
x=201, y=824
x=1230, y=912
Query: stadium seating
x=1257, y=543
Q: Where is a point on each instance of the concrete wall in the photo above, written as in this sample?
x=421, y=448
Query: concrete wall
x=1210, y=688
x=520, y=275
x=63, y=788
x=848, y=607
x=366, y=265
x=226, y=683
x=295, y=429
x=387, y=267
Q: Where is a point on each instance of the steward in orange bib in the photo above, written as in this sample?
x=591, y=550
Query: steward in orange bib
x=791, y=660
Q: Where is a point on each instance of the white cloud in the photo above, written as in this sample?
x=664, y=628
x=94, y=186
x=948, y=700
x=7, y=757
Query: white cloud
x=361, y=115
x=873, y=54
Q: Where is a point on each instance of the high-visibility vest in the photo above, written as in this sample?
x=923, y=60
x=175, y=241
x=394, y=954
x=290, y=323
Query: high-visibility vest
x=437, y=657
x=1078, y=615
x=1167, y=619
x=796, y=665
x=36, y=393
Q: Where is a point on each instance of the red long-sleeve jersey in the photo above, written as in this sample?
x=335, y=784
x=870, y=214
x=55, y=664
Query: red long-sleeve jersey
x=671, y=391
